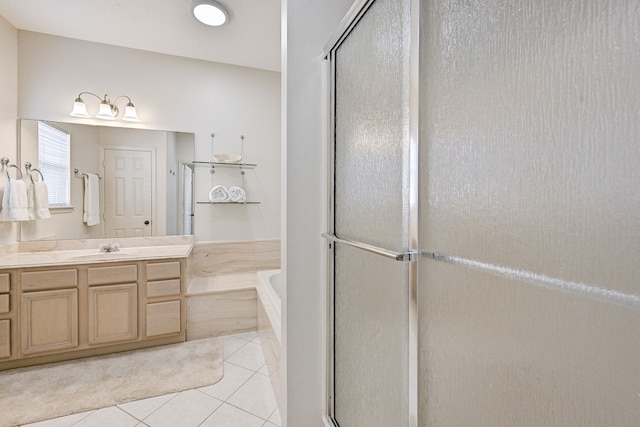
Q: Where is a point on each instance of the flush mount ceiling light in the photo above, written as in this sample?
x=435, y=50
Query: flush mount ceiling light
x=108, y=109
x=209, y=12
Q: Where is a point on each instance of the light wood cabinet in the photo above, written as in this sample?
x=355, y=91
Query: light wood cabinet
x=49, y=320
x=113, y=313
x=4, y=282
x=163, y=318
x=5, y=316
x=113, y=306
x=54, y=313
x=5, y=338
x=165, y=306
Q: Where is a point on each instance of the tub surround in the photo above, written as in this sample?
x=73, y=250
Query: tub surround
x=221, y=305
x=221, y=295
x=224, y=258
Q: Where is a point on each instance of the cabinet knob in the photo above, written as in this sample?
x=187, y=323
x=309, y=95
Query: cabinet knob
x=146, y=222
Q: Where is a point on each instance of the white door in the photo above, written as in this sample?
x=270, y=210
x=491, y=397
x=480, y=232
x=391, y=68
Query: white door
x=127, y=192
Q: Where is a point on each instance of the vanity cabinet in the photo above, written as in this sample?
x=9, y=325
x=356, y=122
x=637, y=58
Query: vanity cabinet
x=66, y=312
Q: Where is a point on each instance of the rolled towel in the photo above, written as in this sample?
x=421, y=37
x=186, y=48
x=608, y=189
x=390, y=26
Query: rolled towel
x=219, y=194
x=18, y=203
x=237, y=194
x=41, y=200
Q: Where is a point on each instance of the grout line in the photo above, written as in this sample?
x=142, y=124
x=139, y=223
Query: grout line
x=91, y=412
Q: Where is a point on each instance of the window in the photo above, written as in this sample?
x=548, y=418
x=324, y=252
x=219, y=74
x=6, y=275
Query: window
x=54, y=158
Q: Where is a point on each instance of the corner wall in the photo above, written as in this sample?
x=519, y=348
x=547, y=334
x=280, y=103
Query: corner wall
x=8, y=110
x=309, y=26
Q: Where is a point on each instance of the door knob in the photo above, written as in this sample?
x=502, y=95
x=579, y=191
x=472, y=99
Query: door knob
x=146, y=222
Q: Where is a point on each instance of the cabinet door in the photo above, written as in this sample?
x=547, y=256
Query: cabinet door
x=5, y=338
x=49, y=320
x=163, y=318
x=113, y=313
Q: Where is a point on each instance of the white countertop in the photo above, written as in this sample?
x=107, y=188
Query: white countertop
x=92, y=256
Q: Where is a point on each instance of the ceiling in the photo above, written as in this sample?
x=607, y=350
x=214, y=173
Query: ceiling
x=251, y=38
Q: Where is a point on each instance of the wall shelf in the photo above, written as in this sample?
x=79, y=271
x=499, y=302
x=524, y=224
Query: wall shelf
x=228, y=203
x=227, y=165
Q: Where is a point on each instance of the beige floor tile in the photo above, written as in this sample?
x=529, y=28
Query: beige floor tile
x=232, y=344
x=275, y=418
x=249, y=356
x=111, y=416
x=141, y=409
x=187, y=409
x=228, y=415
x=234, y=376
x=255, y=396
x=65, y=421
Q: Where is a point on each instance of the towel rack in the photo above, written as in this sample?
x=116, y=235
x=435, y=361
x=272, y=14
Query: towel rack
x=27, y=167
x=82, y=174
x=17, y=168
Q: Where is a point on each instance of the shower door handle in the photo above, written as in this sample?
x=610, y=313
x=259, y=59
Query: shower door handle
x=409, y=256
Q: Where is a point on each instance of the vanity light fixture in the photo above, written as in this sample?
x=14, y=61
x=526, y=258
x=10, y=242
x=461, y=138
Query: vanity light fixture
x=209, y=12
x=108, y=109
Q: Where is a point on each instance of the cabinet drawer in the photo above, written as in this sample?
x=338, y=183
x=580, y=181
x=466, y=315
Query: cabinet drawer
x=49, y=279
x=4, y=303
x=4, y=282
x=163, y=288
x=163, y=318
x=114, y=274
x=5, y=338
x=163, y=270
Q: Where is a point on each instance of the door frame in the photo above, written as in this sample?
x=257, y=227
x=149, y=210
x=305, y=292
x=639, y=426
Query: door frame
x=154, y=187
x=348, y=23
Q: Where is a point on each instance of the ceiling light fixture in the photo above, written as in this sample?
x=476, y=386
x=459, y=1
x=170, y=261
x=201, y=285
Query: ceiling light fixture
x=209, y=12
x=108, y=109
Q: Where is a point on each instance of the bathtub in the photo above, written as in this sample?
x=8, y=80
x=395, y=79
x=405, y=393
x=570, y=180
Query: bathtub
x=269, y=315
x=270, y=282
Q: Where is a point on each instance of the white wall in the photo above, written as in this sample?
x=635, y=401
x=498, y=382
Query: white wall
x=8, y=110
x=309, y=26
x=170, y=93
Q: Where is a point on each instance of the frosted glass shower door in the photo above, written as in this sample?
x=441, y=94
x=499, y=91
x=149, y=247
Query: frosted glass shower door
x=370, y=268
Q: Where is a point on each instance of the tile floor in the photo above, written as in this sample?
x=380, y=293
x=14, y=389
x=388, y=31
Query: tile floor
x=242, y=398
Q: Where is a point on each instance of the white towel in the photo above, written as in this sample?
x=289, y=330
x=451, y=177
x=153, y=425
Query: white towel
x=219, y=194
x=31, y=206
x=91, y=213
x=14, y=201
x=4, y=210
x=41, y=200
x=237, y=194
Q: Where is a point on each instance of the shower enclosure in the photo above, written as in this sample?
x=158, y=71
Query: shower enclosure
x=484, y=214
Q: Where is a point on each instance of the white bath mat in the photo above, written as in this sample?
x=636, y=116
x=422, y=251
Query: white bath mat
x=56, y=389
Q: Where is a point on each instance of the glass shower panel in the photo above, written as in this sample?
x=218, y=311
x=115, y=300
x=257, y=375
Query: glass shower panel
x=499, y=352
x=529, y=297
x=371, y=128
x=371, y=339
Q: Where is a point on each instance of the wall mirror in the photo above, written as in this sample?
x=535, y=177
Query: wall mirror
x=145, y=186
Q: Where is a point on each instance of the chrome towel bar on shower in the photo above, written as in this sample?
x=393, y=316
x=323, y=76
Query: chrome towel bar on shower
x=398, y=256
